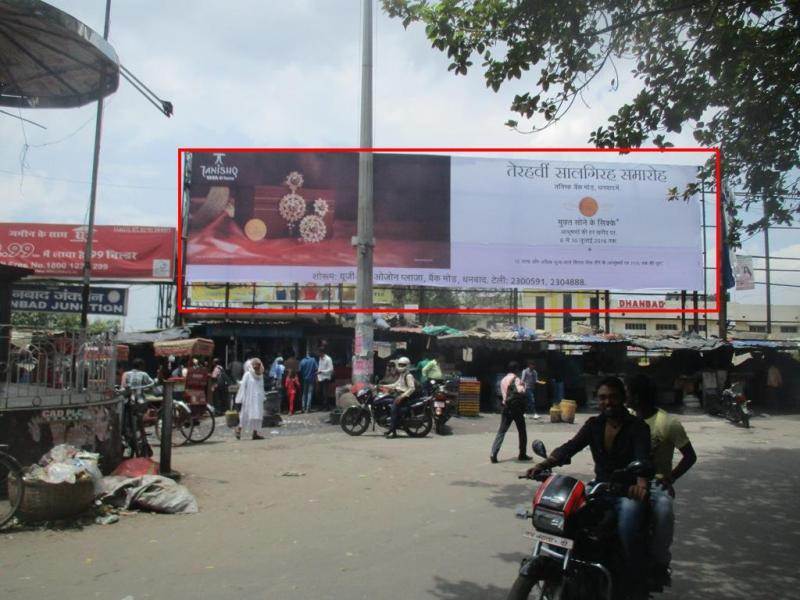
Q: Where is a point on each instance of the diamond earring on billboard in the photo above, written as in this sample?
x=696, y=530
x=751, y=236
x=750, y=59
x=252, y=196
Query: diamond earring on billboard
x=294, y=180
x=312, y=229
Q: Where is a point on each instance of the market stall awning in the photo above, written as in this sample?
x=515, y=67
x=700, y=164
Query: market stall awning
x=688, y=342
x=49, y=59
x=758, y=344
x=192, y=347
x=149, y=337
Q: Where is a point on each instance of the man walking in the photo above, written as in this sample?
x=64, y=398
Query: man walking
x=529, y=379
x=308, y=376
x=512, y=392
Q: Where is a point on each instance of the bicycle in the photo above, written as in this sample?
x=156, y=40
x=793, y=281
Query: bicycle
x=134, y=436
x=12, y=488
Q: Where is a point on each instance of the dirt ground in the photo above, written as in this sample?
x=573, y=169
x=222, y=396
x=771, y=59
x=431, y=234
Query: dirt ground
x=324, y=515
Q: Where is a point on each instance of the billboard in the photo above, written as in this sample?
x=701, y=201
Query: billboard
x=460, y=221
x=69, y=299
x=118, y=252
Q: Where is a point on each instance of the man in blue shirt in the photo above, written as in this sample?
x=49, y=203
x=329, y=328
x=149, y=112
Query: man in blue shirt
x=308, y=375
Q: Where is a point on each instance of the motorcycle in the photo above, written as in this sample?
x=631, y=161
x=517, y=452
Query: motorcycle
x=415, y=418
x=444, y=402
x=735, y=407
x=576, y=554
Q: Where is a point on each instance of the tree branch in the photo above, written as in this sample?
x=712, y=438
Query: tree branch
x=639, y=17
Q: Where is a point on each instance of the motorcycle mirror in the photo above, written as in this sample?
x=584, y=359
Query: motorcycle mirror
x=640, y=468
x=538, y=448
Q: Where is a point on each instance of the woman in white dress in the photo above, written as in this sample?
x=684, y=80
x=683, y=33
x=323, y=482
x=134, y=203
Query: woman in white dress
x=251, y=399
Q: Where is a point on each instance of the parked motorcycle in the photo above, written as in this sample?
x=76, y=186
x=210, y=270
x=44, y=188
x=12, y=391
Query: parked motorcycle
x=443, y=400
x=416, y=416
x=576, y=554
x=734, y=406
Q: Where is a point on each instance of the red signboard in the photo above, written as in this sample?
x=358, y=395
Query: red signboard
x=118, y=252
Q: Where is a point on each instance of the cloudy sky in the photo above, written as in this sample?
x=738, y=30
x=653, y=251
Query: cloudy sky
x=266, y=73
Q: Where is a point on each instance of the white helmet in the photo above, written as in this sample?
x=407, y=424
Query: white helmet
x=402, y=364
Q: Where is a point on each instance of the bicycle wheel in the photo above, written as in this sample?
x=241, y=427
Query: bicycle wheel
x=181, y=425
x=12, y=488
x=202, y=424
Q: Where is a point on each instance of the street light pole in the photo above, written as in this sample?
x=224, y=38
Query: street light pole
x=87, y=252
x=364, y=242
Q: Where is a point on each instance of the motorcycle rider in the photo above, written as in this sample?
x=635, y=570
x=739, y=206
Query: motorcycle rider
x=666, y=434
x=616, y=438
x=405, y=386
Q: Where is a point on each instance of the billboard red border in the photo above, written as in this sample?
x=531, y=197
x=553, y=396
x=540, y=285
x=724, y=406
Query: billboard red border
x=521, y=311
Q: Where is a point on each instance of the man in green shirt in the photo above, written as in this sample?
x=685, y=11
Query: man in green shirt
x=666, y=434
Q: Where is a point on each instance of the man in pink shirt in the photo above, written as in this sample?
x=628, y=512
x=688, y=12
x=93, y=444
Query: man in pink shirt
x=513, y=392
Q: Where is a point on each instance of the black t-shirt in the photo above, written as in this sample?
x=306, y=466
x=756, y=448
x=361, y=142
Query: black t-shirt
x=632, y=442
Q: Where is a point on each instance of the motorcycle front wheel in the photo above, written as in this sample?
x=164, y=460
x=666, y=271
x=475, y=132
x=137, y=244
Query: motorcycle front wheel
x=745, y=416
x=354, y=420
x=525, y=588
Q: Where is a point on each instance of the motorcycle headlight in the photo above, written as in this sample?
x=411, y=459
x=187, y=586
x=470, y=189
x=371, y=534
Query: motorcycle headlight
x=548, y=521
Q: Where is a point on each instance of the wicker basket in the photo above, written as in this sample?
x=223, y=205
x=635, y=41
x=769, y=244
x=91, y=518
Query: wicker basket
x=52, y=501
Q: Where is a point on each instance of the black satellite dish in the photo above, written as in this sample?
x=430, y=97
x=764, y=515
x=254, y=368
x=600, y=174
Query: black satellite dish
x=49, y=59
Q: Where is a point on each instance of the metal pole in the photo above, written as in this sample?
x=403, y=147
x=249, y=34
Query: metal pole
x=766, y=266
x=165, y=457
x=87, y=252
x=362, y=361
x=180, y=318
x=683, y=311
x=722, y=300
x=607, y=297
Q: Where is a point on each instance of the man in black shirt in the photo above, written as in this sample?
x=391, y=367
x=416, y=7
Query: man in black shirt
x=616, y=438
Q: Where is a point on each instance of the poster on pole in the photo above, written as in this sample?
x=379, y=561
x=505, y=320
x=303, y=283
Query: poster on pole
x=743, y=273
x=442, y=221
x=118, y=251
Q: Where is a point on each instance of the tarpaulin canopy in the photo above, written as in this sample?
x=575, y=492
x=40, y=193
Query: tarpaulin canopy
x=148, y=337
x=192, y=347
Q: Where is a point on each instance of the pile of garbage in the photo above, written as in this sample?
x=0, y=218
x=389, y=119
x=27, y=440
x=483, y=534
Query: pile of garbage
x=66, y=464
x=66, y=487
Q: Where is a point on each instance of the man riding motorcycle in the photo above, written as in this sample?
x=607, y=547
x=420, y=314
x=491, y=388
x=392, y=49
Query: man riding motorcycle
x=405, y=386
x=616, y=438
x=666, y=434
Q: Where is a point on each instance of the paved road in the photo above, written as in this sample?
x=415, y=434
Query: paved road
x=429, y=518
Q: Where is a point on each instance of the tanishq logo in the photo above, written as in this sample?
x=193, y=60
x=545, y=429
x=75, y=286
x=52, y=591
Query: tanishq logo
x=219, y=172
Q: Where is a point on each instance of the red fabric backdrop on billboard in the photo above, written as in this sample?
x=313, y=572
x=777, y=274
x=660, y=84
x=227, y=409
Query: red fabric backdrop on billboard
x=119, y=252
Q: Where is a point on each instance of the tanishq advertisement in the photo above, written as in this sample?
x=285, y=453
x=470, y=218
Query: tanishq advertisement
x=444, y=221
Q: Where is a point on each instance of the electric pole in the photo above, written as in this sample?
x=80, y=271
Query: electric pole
x=364, y=242
x=87, y=252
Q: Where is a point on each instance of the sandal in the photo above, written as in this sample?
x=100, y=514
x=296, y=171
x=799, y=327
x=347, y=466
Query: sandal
x=238, y=434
